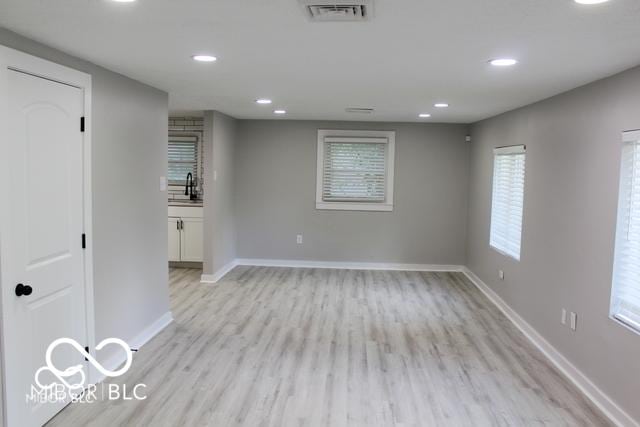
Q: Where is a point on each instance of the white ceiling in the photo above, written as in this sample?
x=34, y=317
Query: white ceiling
x=410, y=55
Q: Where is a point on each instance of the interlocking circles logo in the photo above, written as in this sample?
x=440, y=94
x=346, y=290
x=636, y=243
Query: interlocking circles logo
x=70, y=384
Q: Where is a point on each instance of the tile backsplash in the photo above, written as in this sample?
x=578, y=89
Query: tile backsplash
x=188, y=124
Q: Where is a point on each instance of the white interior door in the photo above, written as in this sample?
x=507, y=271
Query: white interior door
x=42, y=247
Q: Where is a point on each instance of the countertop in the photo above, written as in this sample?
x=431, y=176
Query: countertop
x=187, y=203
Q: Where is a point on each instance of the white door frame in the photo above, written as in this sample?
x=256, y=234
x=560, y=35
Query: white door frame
x=11, y=59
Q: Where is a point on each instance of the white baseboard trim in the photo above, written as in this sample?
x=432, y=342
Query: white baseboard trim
x=294, y=263
x=346, y=265
x=616, y=414
x=215, y=277
x=151, y=331
x=115, y=361
x=206, y=278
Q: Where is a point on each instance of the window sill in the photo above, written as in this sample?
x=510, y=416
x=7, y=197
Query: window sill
x=346, y=206
x=628, y=324
x=504, y=253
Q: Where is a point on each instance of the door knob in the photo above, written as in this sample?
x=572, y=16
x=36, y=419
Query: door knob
x=23, y=290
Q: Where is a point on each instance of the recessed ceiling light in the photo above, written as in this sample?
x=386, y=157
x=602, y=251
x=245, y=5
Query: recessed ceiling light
x=124, y=1
x=279, y=112
x=441, y=105
x=503, y=62
x=591, y=1
x=424, y=115
x=263, y=101
x=201, y=58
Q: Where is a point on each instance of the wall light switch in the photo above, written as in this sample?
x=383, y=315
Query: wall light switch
x=563, y=319
x=163, y=183
x=574, y=321
x=299, y=239
x=215, y=175
x=501, y=274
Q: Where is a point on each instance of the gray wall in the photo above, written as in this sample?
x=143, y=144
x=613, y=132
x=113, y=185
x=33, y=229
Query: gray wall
x=275, y=197
x=571, y=186
x=207, y=195
x=220, y=134
x=129, y=210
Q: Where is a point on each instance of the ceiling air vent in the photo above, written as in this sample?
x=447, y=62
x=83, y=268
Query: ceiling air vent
x=337, y=10
x=359, y=110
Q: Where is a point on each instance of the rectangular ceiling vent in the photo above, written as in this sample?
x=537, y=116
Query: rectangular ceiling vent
x=337, y=10
x=359, y=110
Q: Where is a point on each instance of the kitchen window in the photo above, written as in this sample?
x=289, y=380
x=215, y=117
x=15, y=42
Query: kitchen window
x=507, y=200
x=355, y=170
x=625, y=296
x=184, y=157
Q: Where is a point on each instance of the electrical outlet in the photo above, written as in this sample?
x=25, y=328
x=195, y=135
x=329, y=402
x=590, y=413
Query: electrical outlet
x=574, y=321
x=501, y=274
x=563, y=319
x=299, y=239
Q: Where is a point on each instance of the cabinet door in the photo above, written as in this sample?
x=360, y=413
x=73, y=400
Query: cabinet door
x=191, y=240
x=174, y=239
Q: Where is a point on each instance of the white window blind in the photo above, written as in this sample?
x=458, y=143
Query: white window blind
x=183, y=158
x=508, y=200
x=625, y=299
x=355, y=170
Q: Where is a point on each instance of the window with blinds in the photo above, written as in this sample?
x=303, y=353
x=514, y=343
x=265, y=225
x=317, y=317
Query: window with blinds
x=507, y=200
x=183, y=158
x=625, y=297
x=355, y=170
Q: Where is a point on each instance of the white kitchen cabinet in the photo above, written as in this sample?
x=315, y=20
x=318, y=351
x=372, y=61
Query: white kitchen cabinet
x=191, y=239
x=185, y=234
x=174, y=239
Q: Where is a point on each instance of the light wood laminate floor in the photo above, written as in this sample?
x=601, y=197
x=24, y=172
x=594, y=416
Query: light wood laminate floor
x=303, y=347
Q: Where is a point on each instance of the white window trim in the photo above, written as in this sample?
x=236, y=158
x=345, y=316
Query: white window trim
x=628, y=136
x=512, y=149
x=352, y=136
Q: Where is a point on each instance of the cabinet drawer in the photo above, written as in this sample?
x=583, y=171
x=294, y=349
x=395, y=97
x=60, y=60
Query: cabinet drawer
x=185, y=211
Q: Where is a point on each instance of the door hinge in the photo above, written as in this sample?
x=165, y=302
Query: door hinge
x=81, y=124
x=84, y=241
